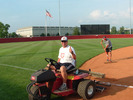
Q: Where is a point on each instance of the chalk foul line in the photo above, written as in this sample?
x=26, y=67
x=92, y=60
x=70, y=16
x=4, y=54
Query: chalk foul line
x=18, y=67
x=113, y=84
x=120, y=85
x=126, y=86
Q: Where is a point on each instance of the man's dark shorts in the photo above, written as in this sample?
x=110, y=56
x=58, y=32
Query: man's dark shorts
x=68, y=66
x=109, y=49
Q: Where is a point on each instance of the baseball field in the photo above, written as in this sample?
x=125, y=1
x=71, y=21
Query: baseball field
x=19, y=60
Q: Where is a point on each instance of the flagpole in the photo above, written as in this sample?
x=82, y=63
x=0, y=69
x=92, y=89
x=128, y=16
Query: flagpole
x=46, y=24
x=130, y=18
x=59, y=19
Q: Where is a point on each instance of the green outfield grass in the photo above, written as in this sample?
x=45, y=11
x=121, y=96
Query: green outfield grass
x=13, y=81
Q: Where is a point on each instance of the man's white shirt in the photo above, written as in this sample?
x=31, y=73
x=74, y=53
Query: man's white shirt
x=65, y=56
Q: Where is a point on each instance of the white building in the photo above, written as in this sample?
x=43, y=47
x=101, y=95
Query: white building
x=38, y=30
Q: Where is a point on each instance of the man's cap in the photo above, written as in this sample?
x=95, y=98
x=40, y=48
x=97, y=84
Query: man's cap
x=64, y=39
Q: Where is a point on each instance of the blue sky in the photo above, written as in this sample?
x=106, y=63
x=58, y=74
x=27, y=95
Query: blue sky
x=25, y=13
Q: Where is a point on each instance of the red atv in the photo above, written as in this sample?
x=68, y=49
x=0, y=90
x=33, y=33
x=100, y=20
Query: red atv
x=47, y=81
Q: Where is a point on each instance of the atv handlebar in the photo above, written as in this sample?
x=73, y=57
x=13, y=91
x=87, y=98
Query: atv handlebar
x=52, y=62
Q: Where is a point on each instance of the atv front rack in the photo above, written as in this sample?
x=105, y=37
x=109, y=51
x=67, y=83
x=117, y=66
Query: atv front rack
x=95, y=74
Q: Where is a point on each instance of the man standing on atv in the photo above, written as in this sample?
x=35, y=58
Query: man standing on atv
x=66, y=59
x=108, y=47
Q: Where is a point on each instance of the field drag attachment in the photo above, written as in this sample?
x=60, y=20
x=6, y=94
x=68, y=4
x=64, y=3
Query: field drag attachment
x=99, y=86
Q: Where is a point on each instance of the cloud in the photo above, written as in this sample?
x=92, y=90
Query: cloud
x=102, y=15
x=105, y=16
x=105, y=13
x=95, y=14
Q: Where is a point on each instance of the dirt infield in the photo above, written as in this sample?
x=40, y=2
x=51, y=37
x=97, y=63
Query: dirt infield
x=119, y=72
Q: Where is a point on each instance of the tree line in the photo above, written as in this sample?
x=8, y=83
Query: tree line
x=119, y=31
x=5, y=34
x=75, y=32
x=4, y=31
x=112, y=31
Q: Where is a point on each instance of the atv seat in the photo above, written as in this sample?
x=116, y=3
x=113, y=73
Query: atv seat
x=71, y=70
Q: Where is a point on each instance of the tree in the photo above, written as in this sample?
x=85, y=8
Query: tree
x=4, y=30
x=13, y=35
x=48, y=34
x=1, y=30
x=76, y=31
x=113, y=30
x=42, y=34
x=67, y=34
x=121, y=31
x=57, y=34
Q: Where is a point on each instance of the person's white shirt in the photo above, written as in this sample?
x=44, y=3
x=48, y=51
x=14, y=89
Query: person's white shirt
x=65, y=56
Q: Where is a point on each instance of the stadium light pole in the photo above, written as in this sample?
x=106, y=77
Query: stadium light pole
x=59, y=19
x=130, y=18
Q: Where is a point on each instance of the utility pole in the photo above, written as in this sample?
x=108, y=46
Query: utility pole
x=130, y=18
x=59, y=19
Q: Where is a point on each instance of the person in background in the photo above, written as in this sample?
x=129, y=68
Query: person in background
x=107, y=48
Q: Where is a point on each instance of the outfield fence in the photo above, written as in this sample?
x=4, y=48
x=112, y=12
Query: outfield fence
x=26, y=39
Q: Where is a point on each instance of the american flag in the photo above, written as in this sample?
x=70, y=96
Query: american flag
x=48, y=14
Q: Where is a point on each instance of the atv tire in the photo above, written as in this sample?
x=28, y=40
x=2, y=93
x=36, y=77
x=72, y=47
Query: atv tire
x=35, y=92
x=86, y=89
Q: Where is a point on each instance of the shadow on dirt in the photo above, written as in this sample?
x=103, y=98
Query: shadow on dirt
x=117, y=60
x=127, y=58
x=112, y=90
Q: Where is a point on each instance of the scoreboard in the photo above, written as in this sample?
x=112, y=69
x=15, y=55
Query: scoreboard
x=95, y=29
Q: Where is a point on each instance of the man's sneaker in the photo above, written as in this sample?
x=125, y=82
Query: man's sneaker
x=63, y=87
